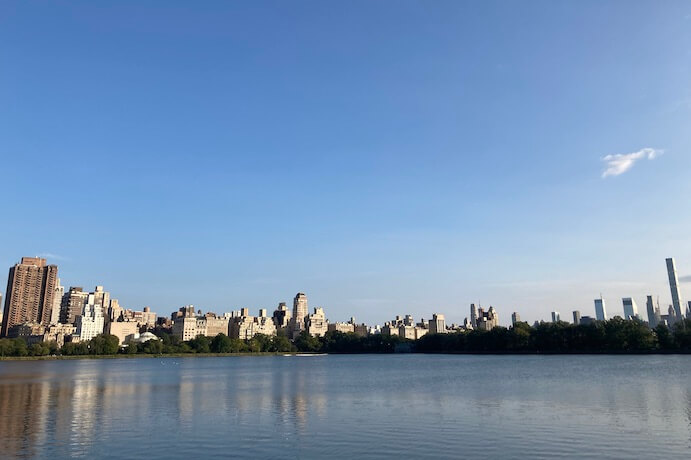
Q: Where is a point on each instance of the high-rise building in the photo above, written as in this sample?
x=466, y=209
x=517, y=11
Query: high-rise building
x=245, y=326
x=630, y=308
x=473, y=315
x=99, y=297
x=408, y=320
x=515, y=318
x=438, y=324
x=600, y=310
x=671, y=315
x=674, y=288
x=317, y=325
x=114, y=311
x=90, y=323
x=282, y=316
x=556, y=317
x=300, y=314
x=57, y=301
x=30, y=292
x=654, y=317
x=486, y=321
x=72, y=304
x=576, y=317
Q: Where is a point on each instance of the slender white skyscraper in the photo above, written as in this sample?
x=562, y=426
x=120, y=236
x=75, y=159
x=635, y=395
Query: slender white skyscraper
x=630, y=308
x=674, y=288
x=600, y=311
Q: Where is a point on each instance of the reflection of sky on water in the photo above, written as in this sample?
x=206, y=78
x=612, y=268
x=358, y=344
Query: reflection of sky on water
x=353, y=405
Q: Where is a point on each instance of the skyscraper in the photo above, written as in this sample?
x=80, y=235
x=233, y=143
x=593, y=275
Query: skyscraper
x=300, y=314
x=72, y=304
x=556, y=317
x=30, y=292
x=473, y=315
x=437, y=324
x=57, y=300
x=674, y=288
x=654, y=317
x=576, y=317
x=600, y=311
x=630, y=308
x=515, y=318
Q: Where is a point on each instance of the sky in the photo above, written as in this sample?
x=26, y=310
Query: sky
x=384, y=157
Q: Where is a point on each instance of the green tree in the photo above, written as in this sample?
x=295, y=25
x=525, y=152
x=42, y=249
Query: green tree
x=19, y=347
x=682, y=334
x=153, y=347
x=6, y=347
x=75, y=349
x=39, y=349
x=200, y=344
x=260, y=343
x=280, y=343
x=306, y=343
x=221, y=344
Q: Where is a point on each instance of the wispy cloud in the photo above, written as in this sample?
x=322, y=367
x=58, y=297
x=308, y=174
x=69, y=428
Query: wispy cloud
x=685, y=279
x=619, y=163
x=50, y=255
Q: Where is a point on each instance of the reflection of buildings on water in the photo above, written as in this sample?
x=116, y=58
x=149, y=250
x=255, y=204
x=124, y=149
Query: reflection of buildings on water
x=299, y=392
x=67, y=413
x=284, y=394
x=24, y=417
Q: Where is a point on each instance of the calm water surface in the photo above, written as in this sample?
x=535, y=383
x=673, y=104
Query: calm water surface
x=415, y=406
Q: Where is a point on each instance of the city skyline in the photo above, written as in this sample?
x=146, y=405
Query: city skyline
x=48, y=293
x=374, y=154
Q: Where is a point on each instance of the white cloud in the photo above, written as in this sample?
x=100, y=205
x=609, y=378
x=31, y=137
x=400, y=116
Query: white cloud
x=619, y=163
x=49, y=255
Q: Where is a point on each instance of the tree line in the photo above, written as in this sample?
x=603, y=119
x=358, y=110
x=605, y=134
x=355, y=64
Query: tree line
x=613, y=336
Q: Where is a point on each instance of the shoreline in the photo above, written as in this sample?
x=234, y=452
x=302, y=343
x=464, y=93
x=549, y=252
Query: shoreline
x=294, y=353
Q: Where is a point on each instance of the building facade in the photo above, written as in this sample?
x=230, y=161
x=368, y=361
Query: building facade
x=317, y=325
x=90, y=323
x=486, y=321
x=437, y=324
x=654, y=315
x=674, y=288
x=300, y=314
x=600, y=309
x=515, y=318
x=123, y=330
x=30, y=293
x=245, y=326
x=72, y=304
x=630, y=308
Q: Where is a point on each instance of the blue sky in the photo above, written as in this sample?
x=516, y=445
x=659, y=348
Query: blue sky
x=383, y=157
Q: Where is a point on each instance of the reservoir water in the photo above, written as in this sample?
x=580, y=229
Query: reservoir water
x=348, y=406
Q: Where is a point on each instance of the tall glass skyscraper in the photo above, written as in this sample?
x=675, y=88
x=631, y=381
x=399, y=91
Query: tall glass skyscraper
x=674, y=288
x=600, y=312
x=630, y=308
